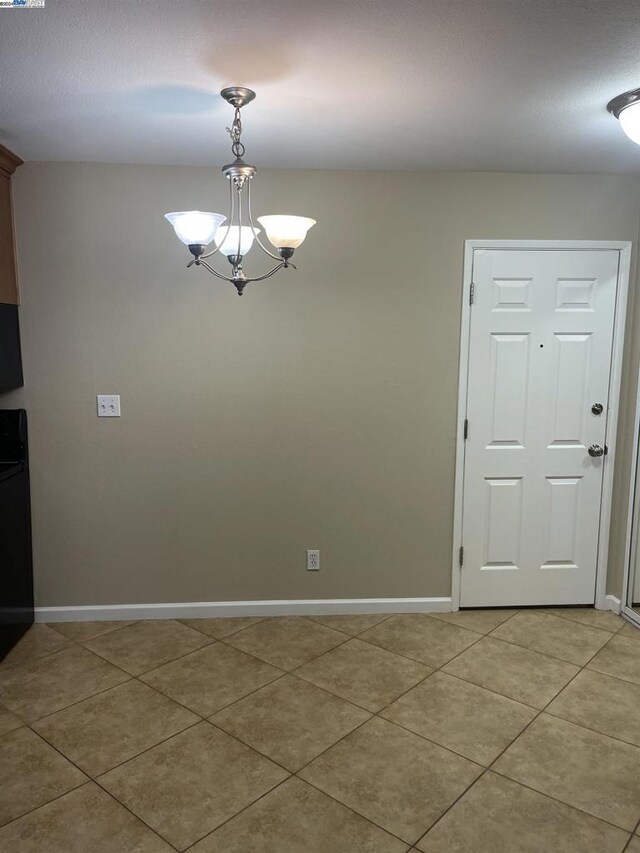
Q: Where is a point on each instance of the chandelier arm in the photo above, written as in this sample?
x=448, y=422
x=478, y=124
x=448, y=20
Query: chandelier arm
x=229, y=223
x=254, y=230
x=267, y=275
x=214, y=272
x=238, y=253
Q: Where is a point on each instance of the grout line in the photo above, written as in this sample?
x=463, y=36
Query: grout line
x=557, y=716
x=89, y=781
x=136, y=816
x=281, y=674
x=233, y=633
x=156, y=666
x=40, y=658
x=355, y=811
x=118, y=623
x=553, y=657
x=31, y=723
x=41, y=805
x=562, y=615
x=632, y=836
x=243, y=809
x=297, y=666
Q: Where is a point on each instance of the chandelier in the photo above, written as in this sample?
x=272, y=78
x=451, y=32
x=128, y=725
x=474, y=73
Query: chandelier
x=197, y=229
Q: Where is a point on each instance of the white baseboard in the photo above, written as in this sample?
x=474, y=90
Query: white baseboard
x=210, y=609
x=613, y=603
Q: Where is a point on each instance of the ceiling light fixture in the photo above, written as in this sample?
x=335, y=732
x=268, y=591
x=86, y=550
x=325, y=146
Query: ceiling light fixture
x=196, y=229
x=626, y=108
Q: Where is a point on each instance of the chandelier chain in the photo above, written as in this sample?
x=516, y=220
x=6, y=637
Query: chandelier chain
x=235, y=132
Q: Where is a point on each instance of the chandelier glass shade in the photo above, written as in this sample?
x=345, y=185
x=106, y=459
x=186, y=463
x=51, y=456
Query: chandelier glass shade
x=626, y=108
x=195, y=226
x=236, y=237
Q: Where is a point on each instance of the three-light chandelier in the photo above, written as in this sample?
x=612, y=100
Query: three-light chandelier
x=196, y=229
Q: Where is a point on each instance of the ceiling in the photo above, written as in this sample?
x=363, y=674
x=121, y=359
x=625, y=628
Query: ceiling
x=509, y=85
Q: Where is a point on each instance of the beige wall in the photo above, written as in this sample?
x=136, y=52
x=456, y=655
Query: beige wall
x=318, y=411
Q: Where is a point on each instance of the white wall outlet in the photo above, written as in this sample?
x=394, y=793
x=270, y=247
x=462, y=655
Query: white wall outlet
x=108, y=405
x=313, y=560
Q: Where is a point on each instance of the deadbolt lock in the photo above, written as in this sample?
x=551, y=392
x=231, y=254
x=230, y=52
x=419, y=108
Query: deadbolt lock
x=597, y=408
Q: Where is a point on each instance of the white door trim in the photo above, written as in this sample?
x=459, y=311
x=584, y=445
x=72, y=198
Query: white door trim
x=624, y=265
x=632, y=519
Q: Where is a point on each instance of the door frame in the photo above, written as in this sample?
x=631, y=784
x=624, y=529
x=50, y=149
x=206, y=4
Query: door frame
x=624, y=266
x=633, y=516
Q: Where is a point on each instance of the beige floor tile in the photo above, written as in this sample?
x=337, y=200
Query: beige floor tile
x=552, y=635
x=187, y=786
x=579, y=767
x=398, y=780
x=351, y=624
x=8, y=721
x=497, y=815
x=519, y=673
x=222, y=626
x=599, y=702
x=603, y=619
x=629, y=631
x=39, y=642
x=41, y=688
x=296, y=818
x=83, y=631
x=146, y=645
x=31, y=774
x=287, y=641
x=620, y=658
x=470, y=720
x=211, y=678
x=418, y=636
x=86, y=820
x=365, y=674
x=634, y=845
x=113, y=726
x=290, y=721
x=481, y=621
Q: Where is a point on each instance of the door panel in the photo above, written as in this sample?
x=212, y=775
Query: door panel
x=540, y=350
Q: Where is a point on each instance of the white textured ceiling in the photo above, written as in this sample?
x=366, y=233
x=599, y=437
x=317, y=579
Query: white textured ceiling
x=513, y=85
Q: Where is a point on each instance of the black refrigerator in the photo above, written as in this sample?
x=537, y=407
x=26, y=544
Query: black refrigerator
x=16, y=571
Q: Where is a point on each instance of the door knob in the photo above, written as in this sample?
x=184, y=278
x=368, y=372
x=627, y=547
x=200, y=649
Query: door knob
x=596, y=450
x=597, y=408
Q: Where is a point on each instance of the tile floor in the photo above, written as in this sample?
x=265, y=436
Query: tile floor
x=474, y=732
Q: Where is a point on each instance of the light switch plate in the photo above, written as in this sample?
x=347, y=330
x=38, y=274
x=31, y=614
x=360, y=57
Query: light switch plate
x=108, y=405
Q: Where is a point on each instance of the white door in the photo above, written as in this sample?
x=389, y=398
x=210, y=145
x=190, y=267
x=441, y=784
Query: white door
x=540, y=355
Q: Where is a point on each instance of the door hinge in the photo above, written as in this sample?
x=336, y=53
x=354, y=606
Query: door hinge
x=472, y=291
x=461, y=556
x=466, y=428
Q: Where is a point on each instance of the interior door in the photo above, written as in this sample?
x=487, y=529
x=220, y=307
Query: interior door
x=540, y=355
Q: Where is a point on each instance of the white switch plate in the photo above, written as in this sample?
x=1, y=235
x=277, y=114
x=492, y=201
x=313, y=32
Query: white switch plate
x=313, y=560
x=108, y=405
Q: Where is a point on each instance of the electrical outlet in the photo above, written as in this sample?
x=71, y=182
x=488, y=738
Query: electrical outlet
x=313, y=560
x=108, y=405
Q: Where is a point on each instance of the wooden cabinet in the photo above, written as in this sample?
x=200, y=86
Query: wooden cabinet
x=8, y=270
